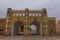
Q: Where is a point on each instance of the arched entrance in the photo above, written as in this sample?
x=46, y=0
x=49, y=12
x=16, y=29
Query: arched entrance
x=35, y=28
x=18, y=28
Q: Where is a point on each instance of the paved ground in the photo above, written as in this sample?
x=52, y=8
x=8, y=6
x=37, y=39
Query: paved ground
x=34, y=37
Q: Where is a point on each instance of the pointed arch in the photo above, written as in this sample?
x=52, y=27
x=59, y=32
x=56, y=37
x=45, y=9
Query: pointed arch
x=18, y=27
x=35, y=27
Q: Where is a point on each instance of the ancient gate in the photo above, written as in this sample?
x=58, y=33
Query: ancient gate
x=21, y=21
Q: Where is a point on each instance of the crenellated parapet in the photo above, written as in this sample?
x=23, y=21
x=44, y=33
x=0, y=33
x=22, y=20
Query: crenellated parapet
x=27, y=18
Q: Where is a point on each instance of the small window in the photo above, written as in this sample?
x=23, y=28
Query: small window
x=17, y=14
x=30, y=14
x=36, y=14
x=23, y=14
x=33, y=14
x=20, y=14
x=39, y=14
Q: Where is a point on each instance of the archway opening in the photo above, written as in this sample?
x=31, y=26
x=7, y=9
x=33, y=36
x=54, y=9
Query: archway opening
x=18, y=28
x=35, y=28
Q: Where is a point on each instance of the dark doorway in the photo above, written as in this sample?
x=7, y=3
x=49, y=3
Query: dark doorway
x=18, y=28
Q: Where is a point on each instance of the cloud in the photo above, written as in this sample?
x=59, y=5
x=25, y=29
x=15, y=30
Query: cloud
x=53, y=6
x=53, y=9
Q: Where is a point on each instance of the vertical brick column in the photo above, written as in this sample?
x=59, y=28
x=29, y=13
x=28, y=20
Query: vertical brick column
x=6, y=26
x=12, y=25
x=7, y=31
x=26, y=26
x=45, y=23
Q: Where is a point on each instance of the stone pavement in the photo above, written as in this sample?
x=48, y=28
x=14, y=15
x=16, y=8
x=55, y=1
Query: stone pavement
x=31, y=37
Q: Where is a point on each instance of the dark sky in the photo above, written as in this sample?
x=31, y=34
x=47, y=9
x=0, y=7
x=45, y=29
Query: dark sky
x=52, y=6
